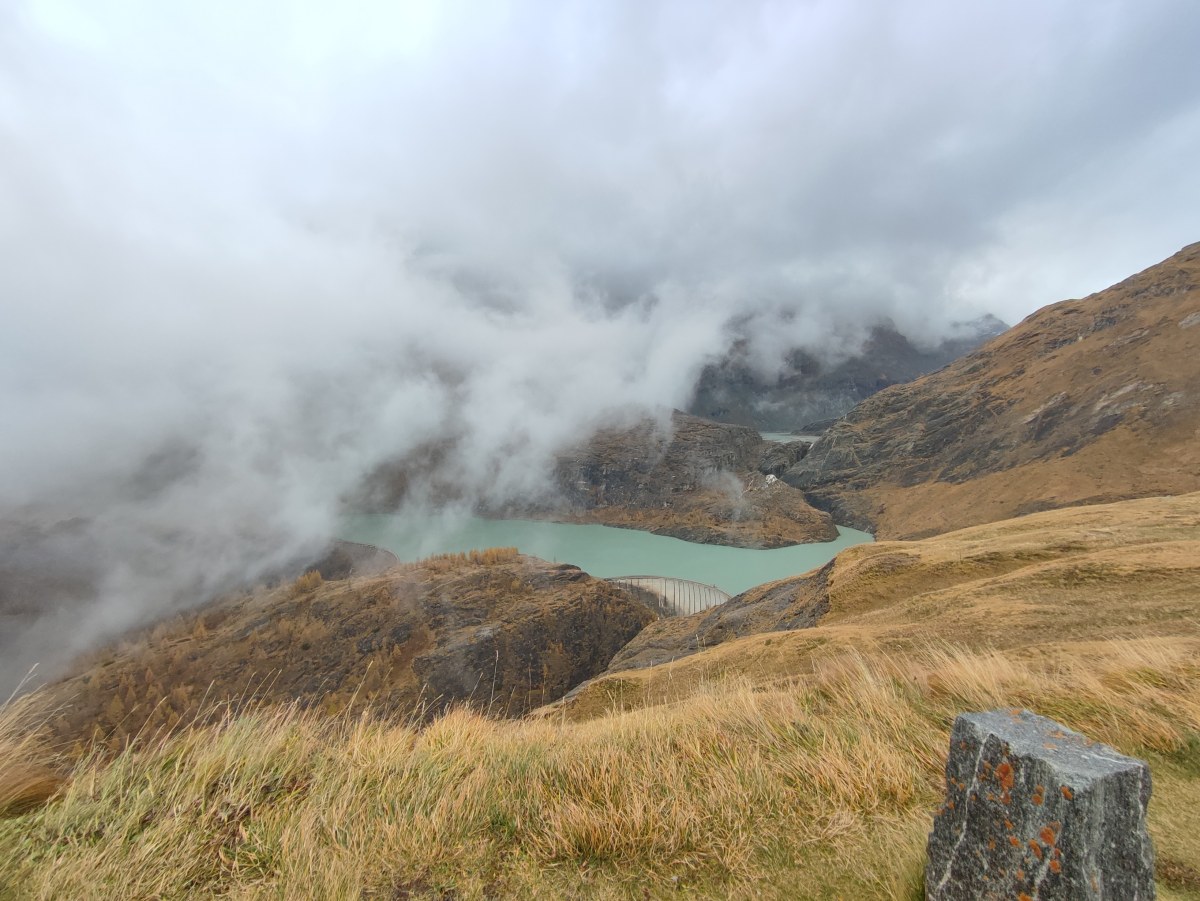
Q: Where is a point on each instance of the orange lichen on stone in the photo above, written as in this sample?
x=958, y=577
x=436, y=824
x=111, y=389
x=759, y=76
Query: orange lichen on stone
x=1014, y=841
x=1023, y=897
x=1036, y=849
x=1047, y=836
x=1066, y=792
x=1055, y=866
x=1004, y=775
x=992, y=845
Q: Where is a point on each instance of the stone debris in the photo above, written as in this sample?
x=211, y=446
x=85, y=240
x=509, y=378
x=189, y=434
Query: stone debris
x=1034, y=810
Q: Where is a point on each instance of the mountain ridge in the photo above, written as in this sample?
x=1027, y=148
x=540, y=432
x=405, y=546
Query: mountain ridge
x=1085, y=401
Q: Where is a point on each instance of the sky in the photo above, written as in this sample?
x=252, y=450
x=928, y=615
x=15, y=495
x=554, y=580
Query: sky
x=248, y=251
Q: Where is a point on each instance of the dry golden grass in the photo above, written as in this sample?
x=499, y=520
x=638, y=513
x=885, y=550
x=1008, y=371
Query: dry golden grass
x=821, y=788
x=27, y=778
x=309, y=581
x=1037, y=584
x=798, y=764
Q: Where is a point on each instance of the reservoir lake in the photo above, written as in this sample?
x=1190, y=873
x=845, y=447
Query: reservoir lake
x=602, y=551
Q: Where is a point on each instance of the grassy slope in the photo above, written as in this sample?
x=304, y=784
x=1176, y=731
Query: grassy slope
x=1127, y=569
x=802, y=764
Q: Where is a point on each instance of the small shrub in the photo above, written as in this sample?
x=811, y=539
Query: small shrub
x=310, y=581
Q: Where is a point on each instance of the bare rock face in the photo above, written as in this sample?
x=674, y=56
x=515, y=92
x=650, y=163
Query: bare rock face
x=1036, y=811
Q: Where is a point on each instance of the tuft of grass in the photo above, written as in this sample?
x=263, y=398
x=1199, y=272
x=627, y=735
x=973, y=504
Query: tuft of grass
x=29, y=777
x=815, y=788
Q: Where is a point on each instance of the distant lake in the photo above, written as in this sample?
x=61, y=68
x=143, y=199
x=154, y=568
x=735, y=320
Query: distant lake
x=788, y=437
x=602, y=551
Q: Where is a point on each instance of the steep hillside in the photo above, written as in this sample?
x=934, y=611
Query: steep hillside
x=807, y=390
x=1033, y=585
x=1086, y=401
x=52, y=569
x=701, y=481
x=493, y=628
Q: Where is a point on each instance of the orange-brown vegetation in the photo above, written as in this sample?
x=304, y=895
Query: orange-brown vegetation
x=821, y=786
x=1086, y=401
x=492, y=628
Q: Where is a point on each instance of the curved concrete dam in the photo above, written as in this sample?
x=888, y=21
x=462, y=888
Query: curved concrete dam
x=682, y=596
x=603, y=551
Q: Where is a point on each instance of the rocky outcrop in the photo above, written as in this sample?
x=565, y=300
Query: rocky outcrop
x=343, y=559
x=493, y=629
x=1036, y=811
x=696, y=480
x=794, y=603
x=1086, y=401
x=807, y=389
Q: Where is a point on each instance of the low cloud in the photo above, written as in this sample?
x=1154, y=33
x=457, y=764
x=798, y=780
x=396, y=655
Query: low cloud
x=250, y=251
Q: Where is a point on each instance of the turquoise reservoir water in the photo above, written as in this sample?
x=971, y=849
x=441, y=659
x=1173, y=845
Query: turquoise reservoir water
x=599, y=550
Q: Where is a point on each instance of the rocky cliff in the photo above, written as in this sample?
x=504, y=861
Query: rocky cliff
x=1085, y=401
x=697, y=480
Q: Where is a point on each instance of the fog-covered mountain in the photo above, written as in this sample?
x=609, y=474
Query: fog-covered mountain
x=806, y=389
